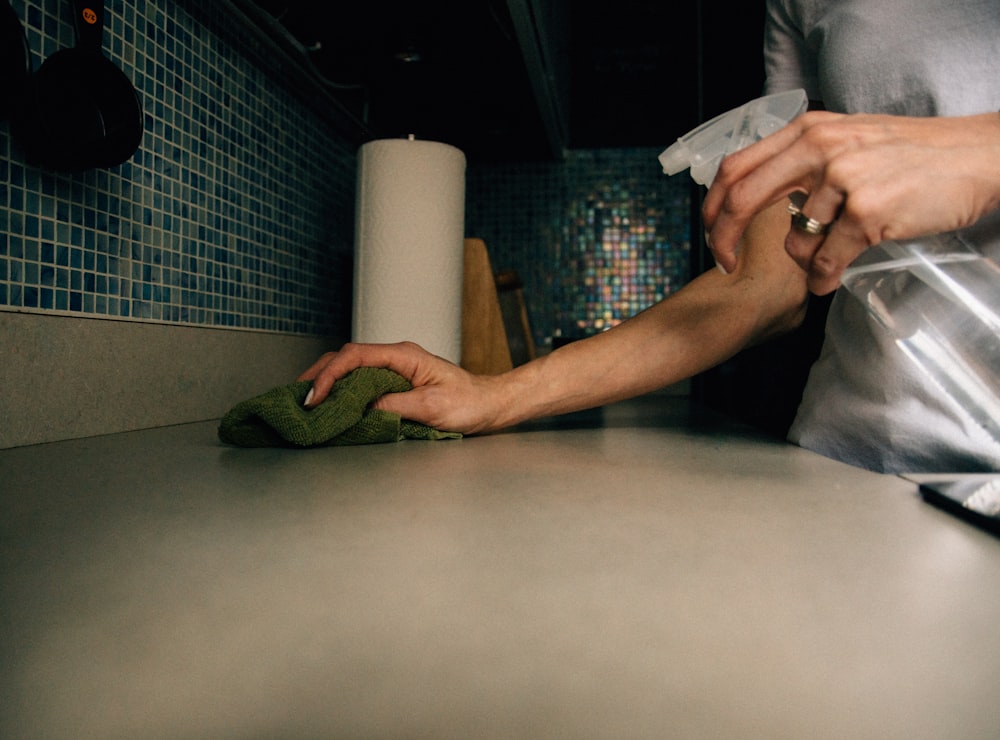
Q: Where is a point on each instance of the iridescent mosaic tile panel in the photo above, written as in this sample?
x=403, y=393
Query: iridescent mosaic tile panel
x=595, y=239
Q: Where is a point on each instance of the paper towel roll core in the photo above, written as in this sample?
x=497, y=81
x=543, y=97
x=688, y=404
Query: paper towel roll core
x=408, y=247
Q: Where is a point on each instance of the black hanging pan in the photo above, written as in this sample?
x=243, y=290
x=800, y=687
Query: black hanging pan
x=79, y=111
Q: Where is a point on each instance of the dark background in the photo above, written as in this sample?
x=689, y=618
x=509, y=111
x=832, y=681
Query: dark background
x=617, y=74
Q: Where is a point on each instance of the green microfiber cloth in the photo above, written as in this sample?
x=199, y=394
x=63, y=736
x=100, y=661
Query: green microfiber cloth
x=278, y=419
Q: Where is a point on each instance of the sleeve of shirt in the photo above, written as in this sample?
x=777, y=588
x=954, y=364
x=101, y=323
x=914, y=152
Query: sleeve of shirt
x=788, y=61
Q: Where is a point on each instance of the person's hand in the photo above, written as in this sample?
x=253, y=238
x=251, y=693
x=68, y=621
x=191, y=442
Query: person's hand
x=870, y=177
x=444, y=395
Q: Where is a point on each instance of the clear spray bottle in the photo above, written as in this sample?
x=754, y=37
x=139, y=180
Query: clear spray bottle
x=938, y=296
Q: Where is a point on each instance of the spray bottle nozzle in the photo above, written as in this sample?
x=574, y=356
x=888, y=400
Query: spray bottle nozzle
x=703, y=148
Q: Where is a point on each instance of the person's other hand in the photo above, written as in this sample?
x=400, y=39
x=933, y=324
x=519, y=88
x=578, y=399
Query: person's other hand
x=870, y=177
x=444, y=395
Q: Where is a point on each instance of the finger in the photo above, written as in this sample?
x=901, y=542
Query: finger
x=335, y=365
x=758, y=176
x=313, y=370
x=824, y=275
x=409, y=405
x=723, y=252
x=818, y=210
x=774, y=180
x=739, y=165
x=433, y=405
x=841, y=247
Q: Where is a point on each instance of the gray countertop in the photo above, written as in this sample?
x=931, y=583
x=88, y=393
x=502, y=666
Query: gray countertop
x=639, y=571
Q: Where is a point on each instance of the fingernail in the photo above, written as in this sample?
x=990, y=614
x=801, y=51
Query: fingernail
x=309, y=398
x=708, y=242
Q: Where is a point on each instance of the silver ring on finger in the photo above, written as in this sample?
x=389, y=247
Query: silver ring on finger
x=807, y=225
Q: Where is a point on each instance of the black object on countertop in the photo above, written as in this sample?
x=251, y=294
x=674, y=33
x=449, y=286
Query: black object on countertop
x=976, y=499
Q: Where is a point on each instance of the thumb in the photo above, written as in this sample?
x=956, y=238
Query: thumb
x=406, y=404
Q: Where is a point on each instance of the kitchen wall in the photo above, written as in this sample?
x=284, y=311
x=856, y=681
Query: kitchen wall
x=217, y=261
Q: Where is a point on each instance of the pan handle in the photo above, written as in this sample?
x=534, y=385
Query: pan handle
x=88, y=20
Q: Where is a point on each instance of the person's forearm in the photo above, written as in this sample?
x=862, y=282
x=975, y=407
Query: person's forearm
x=669, y=342
x=703, y=324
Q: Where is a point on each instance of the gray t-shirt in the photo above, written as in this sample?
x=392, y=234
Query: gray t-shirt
x=866, y=402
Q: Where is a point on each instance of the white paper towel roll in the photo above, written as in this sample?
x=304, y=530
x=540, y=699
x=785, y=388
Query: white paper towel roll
x=408, y=248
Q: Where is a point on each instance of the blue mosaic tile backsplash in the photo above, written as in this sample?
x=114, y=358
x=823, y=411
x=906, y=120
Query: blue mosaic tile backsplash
x=238, y=209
